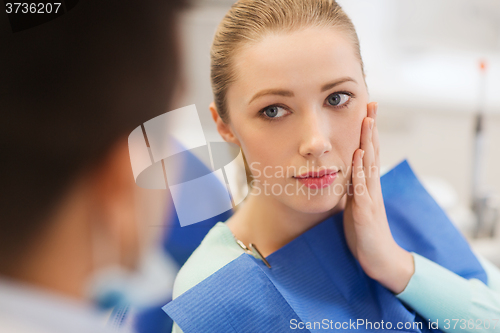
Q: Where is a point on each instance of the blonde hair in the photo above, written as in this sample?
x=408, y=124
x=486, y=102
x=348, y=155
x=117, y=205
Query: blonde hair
x=249, y=21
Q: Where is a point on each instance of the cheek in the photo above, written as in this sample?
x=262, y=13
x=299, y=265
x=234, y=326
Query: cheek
x=258, y=155
x=347, y=135
x=261, y=152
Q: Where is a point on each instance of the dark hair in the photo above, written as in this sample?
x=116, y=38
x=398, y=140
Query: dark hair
x=71, y=88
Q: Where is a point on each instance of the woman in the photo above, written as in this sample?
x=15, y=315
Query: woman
x=289, y=89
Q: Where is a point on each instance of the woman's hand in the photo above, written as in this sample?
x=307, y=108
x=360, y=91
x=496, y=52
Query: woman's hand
x=365, y=221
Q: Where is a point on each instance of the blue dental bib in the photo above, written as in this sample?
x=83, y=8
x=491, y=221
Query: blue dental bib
x=315, y=284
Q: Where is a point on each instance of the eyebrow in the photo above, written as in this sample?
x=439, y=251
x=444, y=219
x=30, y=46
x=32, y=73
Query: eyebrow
x=332, y=84
x=289, y=93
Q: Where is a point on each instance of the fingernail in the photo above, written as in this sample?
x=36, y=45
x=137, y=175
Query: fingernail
x=362, y=153
x=375, y=109
x=372, y=121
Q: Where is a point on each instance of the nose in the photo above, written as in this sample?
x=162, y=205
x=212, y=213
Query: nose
x=315, y=136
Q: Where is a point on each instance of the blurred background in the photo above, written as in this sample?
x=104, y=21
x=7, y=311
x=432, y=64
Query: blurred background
x=437, y=107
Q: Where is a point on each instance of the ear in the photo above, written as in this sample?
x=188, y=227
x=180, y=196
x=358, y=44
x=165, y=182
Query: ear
x=114, y=200
x=223, y=128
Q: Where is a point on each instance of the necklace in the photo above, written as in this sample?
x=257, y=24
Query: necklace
x=252, y=251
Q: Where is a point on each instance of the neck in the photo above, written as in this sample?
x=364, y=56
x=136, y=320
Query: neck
x=270, y=224
x=58, y=261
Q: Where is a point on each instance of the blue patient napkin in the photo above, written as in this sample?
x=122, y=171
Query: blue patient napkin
x=315, y=284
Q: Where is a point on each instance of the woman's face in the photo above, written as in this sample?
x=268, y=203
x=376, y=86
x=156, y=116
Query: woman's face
x=297, y=106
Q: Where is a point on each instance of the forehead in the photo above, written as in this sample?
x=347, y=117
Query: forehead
x=301, y=59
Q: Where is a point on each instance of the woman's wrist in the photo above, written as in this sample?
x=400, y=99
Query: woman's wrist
x=397, y=270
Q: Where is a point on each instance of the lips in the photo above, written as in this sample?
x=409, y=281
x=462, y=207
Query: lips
x=316, y=174
x=318, y=179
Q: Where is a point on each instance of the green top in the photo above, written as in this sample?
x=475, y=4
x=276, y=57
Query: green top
x=435, y=292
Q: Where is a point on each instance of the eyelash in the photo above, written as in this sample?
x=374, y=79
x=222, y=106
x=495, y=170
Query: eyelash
x=351, y=96
x=262, y=111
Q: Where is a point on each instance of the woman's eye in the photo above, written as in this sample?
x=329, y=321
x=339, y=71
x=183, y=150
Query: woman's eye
x=338, y=99
x=274, y=111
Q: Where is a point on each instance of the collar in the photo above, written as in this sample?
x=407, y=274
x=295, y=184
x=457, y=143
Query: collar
x=36, y=310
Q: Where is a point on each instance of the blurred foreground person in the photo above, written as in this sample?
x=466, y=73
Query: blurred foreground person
x=72, y=88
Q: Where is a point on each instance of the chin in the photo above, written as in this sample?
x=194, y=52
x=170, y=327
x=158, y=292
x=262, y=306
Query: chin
x=315, y=204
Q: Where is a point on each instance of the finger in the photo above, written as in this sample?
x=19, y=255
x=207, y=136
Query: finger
x=367, y=146
x=373, y=175
x=371, y=110
x=350, y=188
x=359, y=189
x=375, y=139
x=349, y=191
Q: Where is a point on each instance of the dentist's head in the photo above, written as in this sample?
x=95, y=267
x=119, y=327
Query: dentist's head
x=71, y=91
